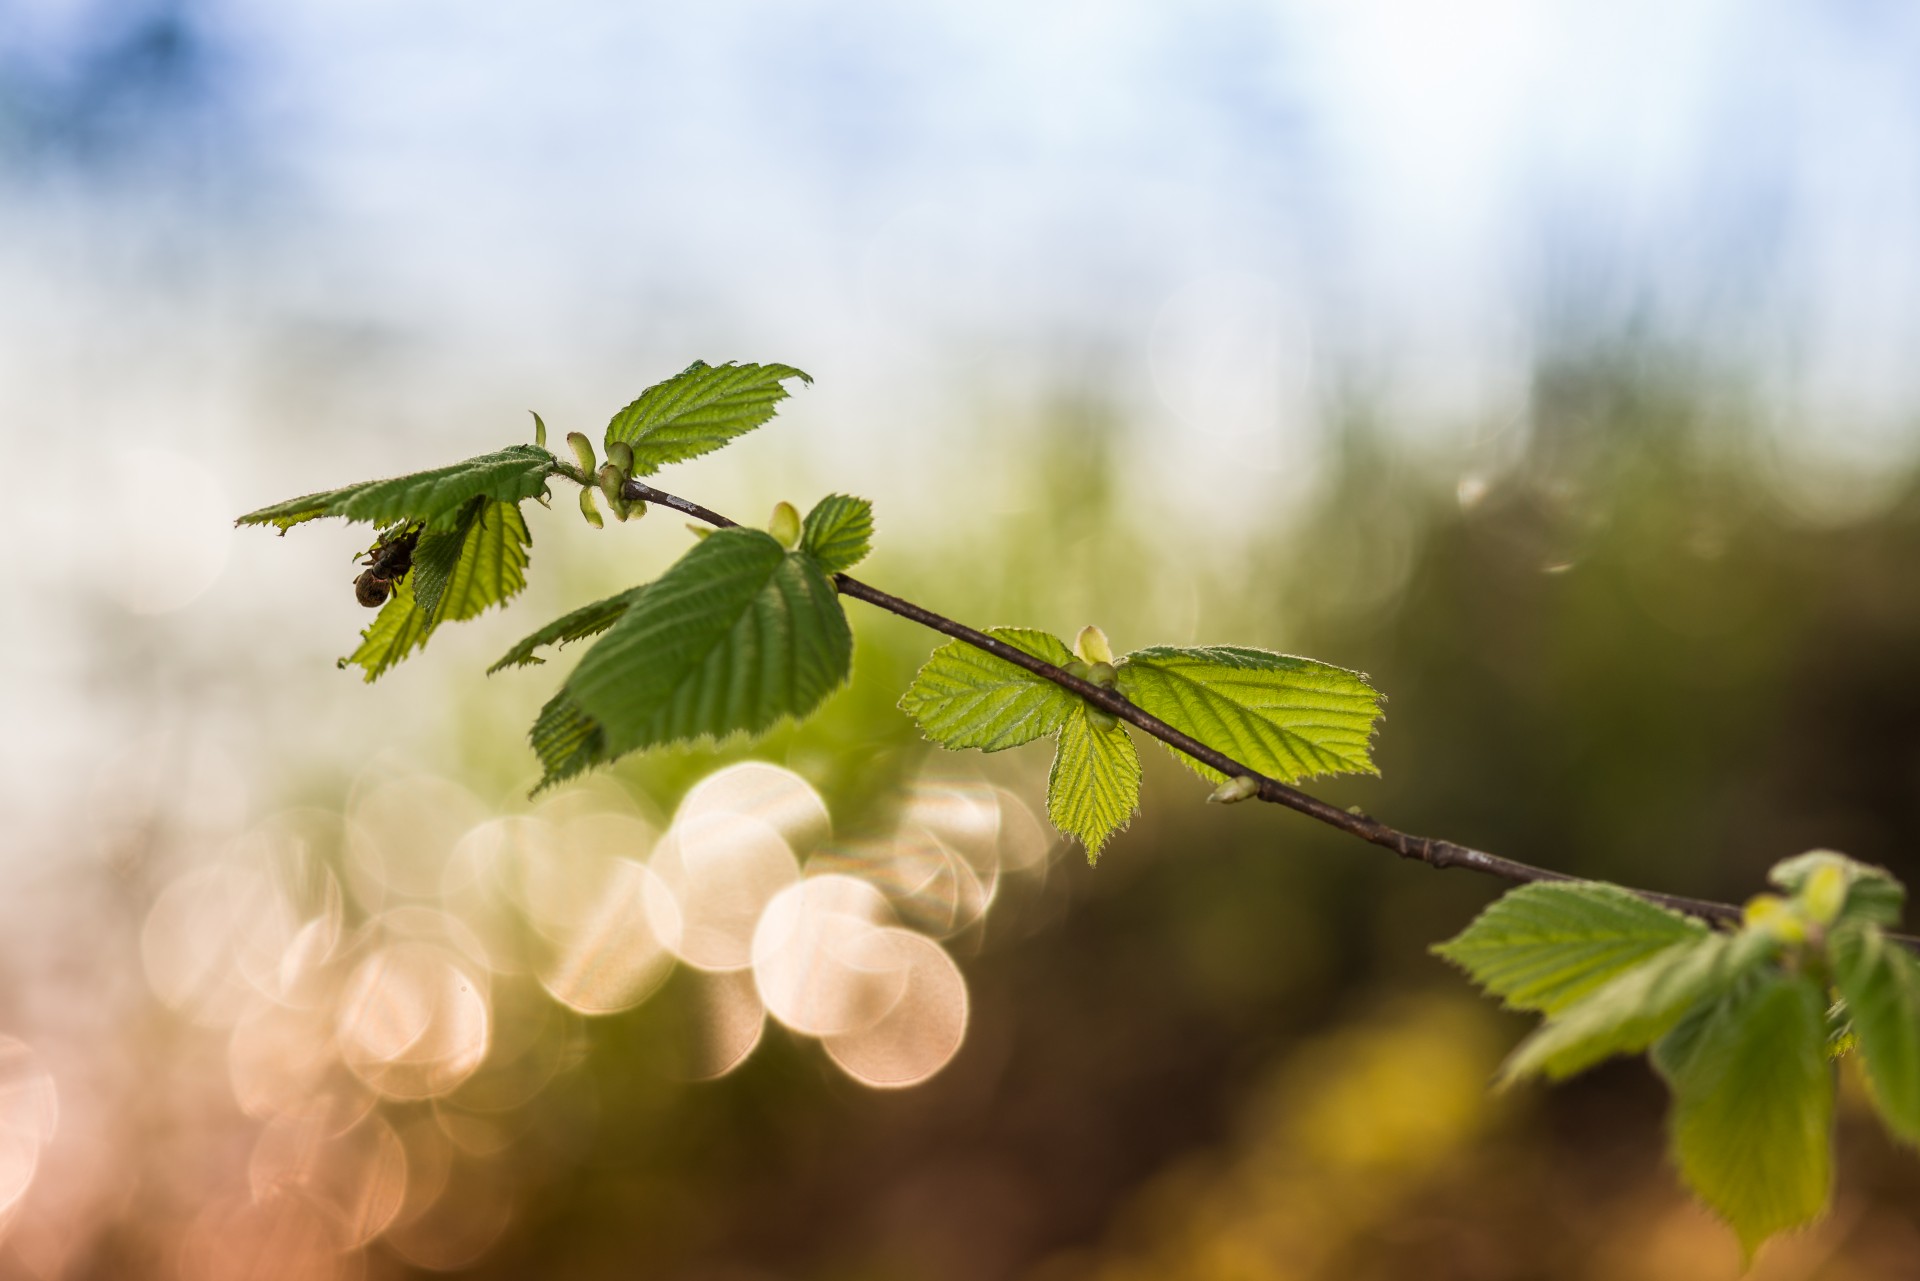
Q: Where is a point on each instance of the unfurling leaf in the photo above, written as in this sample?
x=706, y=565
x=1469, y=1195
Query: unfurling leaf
x=588, y=620
x=1542, y=947
x=965, y=697
x=457, y=573
x=1752, y=1119
x=698, y=410
x=1092, y=646
x=1094, y=786
x=1880, y=982
x=1288, y=718
x=838, y=532
x=736, y=635
x=785, y=525
x=432, y=498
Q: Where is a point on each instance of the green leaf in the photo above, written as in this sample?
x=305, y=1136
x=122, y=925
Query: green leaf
x=397, y=630
x=1630, y=1011
x=737, y=634
x=457, y=573
x=1286, y=717
x=1094, y=787
x=1880, y=982
x=1544, y=946
x=965, y=697
x=838, y=532
x=566, y=739
x=1752, y=1119
x=588, y=620
x=1872, y=893
x=488, y=564
x=698, y=410
x=434, y=498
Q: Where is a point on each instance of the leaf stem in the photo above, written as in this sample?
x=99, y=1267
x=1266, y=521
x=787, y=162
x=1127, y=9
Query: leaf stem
x=1430, y=850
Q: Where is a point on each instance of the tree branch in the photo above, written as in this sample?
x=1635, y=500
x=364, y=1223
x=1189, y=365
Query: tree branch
x=1422, y=849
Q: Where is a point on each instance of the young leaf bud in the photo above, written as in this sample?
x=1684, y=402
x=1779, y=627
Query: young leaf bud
x=1076, y=668
x=698, y=531
x=785, y=525
x=1102, y=673
x=611, y=480
x=539, y=430
x=1092, y=645
x=1235, y=790
x=1825, y=893
x=588, y=509
x=1100, y=718
x=620, y=454
x=1771, y=914
x=582, y=452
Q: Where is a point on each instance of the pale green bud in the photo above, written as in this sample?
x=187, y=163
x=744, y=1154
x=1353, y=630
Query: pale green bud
x=589, y=509
x=582, y=452
x=1771, y=914
x=610, y=482
x=1077, y=668
x=1092, y=645
x=1102, y=673
x=1100, y=718
x=539, y=430
x=620, y=454
x=1825, y=893
x=1235, y=790
x=785, y=525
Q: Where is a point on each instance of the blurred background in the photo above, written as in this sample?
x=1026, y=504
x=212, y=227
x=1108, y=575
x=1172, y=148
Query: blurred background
x=1551, y=363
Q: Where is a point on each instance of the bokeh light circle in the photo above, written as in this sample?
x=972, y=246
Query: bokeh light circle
x=923, y=1029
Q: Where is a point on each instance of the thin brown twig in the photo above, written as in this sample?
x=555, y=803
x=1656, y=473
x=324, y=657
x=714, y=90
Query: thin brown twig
x=1422, y=849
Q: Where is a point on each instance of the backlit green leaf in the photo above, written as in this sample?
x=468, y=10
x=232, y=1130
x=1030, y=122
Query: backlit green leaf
x=1880, y=982
x=838, y=532
x=965, y=697
x=1544, y=946
x=737, y=634
x=1288, y=718
x=457, y=573
x=490, y=565
x=1630, y=1011
x=1094, y=786
x=434, y=498
x=698, y=410
x=1752, y=1119
x=588, y=620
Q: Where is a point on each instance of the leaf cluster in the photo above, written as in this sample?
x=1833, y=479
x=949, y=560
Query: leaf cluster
x=1286, y=717
x=1740, y=1023
x=474, y=545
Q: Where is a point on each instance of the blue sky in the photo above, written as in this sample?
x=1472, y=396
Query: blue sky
x=1423, y=194
x=338, y=233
